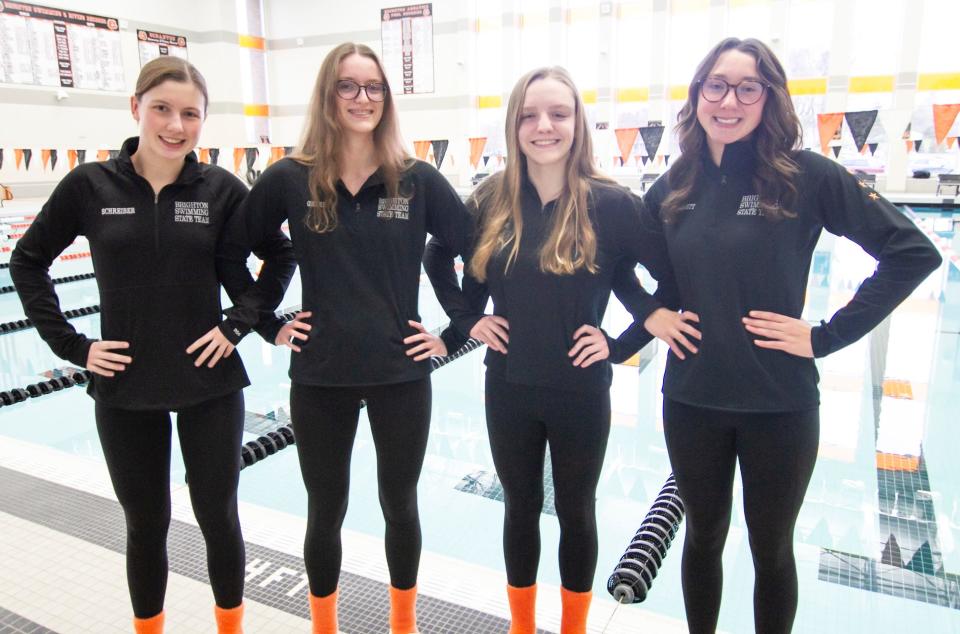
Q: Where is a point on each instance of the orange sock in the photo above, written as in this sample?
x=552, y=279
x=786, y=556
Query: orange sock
x=229, y=621
x=403, y=610
x=153, y=625
x=523, y=609
x=323, y=613
x=576, y=605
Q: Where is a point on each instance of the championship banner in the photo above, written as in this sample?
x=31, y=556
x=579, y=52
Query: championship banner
x=406, y=42
x=46, y=46
x=153, y=45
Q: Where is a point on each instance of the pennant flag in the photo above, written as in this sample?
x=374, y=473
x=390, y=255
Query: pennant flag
x=214, y=155
x=420, y=148
x=626, y=137
x=836, y=151
x=873, y=148
x=27, y=155
x=943, y=117
x=666, y=159
x=828, y=124
x=287, y=150
x=53, y=160
x=113, y=153
x=276, y=153
x=439, y=150
x=916, y=144
x=251, y=154
x=204, y=156
x=909, y=145
x=486, y=159
x=652, y=135
x=860, y=122
x=864, y=149
x=238, y=153
x=950, y=141
x=645, y=159
x=18, y=157
x=45, y=158
x=81, y=156
x=1, y=158
x=477, y=143
x=72, y=158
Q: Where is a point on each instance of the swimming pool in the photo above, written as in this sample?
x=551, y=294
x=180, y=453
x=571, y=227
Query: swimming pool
x=886, y=463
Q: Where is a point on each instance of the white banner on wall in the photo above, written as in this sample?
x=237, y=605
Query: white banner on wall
x=406, y=40
x=153, y=45
x=46, y=46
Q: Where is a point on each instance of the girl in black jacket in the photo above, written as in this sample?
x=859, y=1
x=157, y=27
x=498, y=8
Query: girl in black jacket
x=740, y=213
x=153, y=217
x=359, y=212
x=552, y=237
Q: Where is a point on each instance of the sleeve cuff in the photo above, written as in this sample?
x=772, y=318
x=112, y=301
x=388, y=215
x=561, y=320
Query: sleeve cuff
x=233, y=331
x=270, y=328
x=819, y=340
x=80, y=352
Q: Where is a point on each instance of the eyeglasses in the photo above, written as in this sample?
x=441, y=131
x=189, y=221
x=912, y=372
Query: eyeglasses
x=349, y=89
x=748, y=92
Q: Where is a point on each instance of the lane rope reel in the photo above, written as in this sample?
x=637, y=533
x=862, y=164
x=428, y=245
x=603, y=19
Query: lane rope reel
x=633, y=575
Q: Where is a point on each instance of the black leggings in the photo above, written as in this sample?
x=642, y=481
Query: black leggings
x=325, y=424
x=136, y=445
x=777, y=452
x=521, y=421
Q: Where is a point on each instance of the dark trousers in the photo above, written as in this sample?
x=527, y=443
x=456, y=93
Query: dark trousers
x=136, y=445
x=521, y=421
x=777, y=453
x=325, y=425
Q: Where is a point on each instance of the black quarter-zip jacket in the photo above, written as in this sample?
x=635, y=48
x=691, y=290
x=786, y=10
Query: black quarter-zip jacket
x=728, y=260
x=155, y=262
x=544, y=310
x=361, y=280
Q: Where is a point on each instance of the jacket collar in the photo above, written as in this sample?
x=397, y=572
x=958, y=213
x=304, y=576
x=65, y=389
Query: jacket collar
x=124, y=163
x=739, y=159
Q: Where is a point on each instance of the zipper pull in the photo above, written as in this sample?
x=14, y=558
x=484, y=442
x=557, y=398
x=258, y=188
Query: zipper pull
x=358, y=206
x=723, y=179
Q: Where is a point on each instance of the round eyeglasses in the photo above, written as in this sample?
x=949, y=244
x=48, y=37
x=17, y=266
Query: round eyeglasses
x=349, y=89
x=748, y=92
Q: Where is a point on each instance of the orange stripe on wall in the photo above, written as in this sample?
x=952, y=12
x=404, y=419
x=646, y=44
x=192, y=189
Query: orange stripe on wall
x=256, y=110
x=252, y=41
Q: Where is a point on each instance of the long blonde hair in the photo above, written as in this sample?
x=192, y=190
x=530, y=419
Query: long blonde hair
x=571, y=243
x=322, y=136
